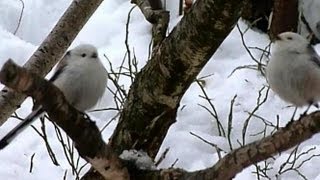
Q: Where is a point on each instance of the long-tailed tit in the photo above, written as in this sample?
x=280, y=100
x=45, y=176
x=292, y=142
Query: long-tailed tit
x=293, y=71
x=80, y=76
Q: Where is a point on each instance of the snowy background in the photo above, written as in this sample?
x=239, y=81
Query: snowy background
x=106, y=30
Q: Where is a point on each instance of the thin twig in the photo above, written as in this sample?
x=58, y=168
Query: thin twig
x=31, y=162
x=127, y=43
x=230, y=117
x=162, y=157
x=214, y=114
x=20, y=17
x=219, y=150
x=255, y=109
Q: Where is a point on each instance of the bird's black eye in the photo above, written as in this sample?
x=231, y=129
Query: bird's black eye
x=94, y=55
x=83, y=55
x=289, y=38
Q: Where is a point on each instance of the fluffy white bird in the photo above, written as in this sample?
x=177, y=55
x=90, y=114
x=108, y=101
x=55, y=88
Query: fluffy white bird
x=81, y=77
x=293, y=71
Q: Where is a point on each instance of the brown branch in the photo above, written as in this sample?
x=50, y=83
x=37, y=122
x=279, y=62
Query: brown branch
x=234, y=162
x=51, y=49
x=285, y=138
x=77, y=125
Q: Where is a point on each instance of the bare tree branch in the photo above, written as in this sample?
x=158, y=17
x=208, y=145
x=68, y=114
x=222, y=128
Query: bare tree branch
x=156, y=16
x=149, y=13
x=156, y=92
x=77, y=125
x=51, y=49
x=291, y=135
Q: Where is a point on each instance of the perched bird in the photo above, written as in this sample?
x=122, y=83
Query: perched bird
x=293, y=71
x=81, y=77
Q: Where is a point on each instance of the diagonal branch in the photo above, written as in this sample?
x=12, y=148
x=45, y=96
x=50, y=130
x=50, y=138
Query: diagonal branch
x=51, y=50
x=157, y=90
x=77, y=125
x=291, y=135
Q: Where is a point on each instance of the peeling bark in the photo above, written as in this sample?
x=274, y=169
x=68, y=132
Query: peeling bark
x=78, y=126
x=51, y=50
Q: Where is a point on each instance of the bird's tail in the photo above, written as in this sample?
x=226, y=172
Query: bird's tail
x=20, y=127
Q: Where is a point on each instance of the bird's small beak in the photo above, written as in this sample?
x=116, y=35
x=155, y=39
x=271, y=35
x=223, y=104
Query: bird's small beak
x=94, y=55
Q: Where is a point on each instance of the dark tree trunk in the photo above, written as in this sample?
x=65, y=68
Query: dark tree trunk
x=155, y=4
x=257, y=13
x=285, y=17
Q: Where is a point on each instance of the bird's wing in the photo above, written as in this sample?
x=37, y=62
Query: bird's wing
x=60, y=67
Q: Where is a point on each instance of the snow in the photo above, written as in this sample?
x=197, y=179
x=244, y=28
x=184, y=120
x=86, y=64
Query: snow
x=106, y=30
x=139, y=158
x=310, y=10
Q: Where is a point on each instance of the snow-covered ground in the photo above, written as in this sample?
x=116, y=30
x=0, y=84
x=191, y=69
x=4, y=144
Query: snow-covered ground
x=106, y=30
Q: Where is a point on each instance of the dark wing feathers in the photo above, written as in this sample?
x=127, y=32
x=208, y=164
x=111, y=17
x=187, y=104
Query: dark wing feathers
x=60, y=67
